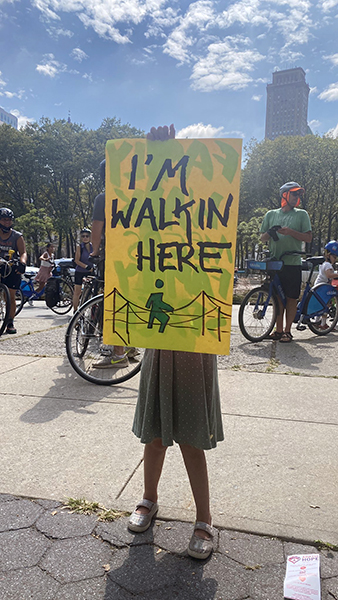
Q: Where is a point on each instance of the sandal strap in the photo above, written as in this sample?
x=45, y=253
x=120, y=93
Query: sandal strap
x=146, y=503
x=206, y=527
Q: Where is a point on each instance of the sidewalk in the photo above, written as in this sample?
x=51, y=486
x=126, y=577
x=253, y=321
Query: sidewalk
x=274, y=475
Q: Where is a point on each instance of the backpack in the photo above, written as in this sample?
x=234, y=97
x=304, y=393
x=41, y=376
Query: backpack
x=52, y=292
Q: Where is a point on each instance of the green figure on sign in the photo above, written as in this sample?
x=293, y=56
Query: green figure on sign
x=157, y=308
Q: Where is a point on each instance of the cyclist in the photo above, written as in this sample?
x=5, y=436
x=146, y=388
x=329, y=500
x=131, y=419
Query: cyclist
x=112, y=356
x=326, y=271
x=12, y=240
x=285, y=229
x=82, y=254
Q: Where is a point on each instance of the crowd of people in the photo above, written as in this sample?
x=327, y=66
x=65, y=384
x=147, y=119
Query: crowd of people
x=178, y=398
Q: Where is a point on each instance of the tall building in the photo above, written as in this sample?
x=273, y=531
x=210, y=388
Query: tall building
x=287, y=104
x=8, y=118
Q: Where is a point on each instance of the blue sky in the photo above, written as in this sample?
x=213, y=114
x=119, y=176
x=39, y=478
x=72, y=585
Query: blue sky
x=202, y=65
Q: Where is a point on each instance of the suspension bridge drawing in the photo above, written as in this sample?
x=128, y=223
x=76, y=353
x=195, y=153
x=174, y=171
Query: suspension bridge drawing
x=205, y=314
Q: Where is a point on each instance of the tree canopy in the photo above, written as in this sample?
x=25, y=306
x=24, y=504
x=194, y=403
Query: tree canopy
x=50, y=176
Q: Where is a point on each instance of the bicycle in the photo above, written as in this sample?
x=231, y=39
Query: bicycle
x=27, y=292
x=5, y=299
x=259, y=309
x=84, y=343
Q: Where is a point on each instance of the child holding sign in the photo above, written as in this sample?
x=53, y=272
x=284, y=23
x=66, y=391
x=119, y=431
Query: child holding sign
x=178, y=401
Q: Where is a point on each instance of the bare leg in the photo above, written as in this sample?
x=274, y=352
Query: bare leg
x=291, y=309
x=279, y=320
x=76, y=296
x=196, y=466
x=13, y=305
x=154, y=455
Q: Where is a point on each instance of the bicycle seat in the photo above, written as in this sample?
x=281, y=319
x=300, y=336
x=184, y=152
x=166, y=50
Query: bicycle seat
x=315, y=260
x=29, y=275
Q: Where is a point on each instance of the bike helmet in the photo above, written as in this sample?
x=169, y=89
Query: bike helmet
x=85, y=230
x=284, y=192
x=103, y=171
x=6, y=213
x=332, y=247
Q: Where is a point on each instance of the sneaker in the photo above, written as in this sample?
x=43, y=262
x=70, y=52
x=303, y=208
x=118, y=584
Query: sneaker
x=132, y=352
x=30, y=302
x=10, y=328
x=112, y=362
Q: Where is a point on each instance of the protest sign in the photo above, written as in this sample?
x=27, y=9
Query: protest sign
x=171, y=220
x=302, y=580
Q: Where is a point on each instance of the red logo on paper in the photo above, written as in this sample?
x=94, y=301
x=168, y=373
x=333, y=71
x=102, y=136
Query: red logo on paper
x=302, y=578
x=294, y=559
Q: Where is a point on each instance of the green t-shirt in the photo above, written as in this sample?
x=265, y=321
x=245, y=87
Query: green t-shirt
x=297, y=219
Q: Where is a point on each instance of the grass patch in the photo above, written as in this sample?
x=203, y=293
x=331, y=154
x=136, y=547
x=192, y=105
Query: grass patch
x=83, y=507
x=325, y=546
x=272, y=365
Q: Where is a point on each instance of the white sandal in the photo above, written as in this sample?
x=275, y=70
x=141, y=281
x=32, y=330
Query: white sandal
x=139, y=522
x=198, y=547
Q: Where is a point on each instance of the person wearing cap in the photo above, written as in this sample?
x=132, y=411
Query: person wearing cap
x=285, y=229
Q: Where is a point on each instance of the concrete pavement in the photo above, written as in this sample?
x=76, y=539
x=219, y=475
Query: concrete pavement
x=274, y=475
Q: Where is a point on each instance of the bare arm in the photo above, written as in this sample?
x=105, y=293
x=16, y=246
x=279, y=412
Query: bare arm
x=97, y=228
x=265, y=237
x=22, y=250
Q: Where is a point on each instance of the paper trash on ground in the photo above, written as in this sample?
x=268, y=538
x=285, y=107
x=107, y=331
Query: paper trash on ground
x=302, y=580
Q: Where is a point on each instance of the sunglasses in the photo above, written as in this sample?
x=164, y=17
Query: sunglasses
x=85, y=236
x=298, y=193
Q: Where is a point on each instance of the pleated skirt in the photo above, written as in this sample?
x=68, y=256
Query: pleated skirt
x=179, y=399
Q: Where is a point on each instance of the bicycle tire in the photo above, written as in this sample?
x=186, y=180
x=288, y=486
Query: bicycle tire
x=89, y=319
x=65, y=303
x=254, y=326
x=5, y=305
x=19, y=301
x=331, y=320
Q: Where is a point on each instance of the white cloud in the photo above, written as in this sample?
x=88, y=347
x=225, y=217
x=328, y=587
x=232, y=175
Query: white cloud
x=57, y=32
x=88, y=76
x=333, y=133
x=2, y=82
x=313, y=90
x=330, y=94
x=333, y=58
x=78, y=54
x=50, y=67
x=314, y=124
x=199, y=130
x=328, y=4
x=22, y=119
x=256, y=98
x=224, y=66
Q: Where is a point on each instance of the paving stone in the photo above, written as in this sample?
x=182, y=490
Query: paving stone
x=76, y=559
x=142, y=569
x=115, y=592
x=118, y=534
x=329, y=589
x=217, y=578
x=49, y=504
x=64, y=524
x=18, y=514
x=267, y=583
x=7, y=498
x=91, y=589
x=23, y=548
x=251, y=550
x=170, y=593
x=28, y=584
x=174, y=536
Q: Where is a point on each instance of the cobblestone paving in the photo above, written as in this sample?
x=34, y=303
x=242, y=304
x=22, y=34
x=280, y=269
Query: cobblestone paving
x=48, y=553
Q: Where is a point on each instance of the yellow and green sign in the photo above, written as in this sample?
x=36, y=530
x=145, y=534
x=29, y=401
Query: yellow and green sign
x=171, y=220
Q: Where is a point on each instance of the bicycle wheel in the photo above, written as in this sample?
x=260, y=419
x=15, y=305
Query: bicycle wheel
x=254, y=323
x=19, y=301
x=5, y=303
x=314, y=323
x=66, y=298
x=85, y=348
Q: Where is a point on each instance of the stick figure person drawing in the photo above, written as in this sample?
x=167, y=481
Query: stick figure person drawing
x=157, y=308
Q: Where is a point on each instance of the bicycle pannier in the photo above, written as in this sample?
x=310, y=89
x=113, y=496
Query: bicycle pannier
x=52, y=292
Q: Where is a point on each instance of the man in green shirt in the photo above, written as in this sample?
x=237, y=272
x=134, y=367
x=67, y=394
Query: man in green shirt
x=285, y=229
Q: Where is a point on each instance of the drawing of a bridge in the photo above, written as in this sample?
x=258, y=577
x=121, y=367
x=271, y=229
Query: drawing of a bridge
x=210, y=315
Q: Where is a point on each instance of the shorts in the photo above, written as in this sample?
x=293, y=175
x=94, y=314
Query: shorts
x=291, y=279
x=13, y=280
x=78, y=277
